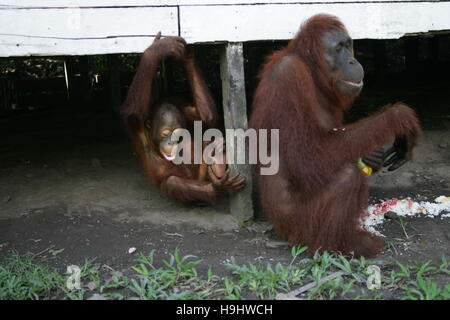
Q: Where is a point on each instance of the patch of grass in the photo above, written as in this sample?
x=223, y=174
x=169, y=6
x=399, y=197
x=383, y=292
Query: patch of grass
x=115, y=287
x=264, y=280
x=322, y=265
x=405, y=282
x=323, y=276
x=422, y=289
x=404, y=225
x=393, y=245
x=22, y=278
x=413, y=284
x=177, y=280
x=89, y=276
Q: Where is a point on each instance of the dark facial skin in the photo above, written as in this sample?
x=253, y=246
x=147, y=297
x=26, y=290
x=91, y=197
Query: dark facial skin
x=344, y=68
x=166, y=120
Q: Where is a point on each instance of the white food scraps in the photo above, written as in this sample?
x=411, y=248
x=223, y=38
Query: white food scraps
x=404, y=208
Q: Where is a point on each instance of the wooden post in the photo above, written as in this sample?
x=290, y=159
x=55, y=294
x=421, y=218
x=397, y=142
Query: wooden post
x=114, y=82
x=71, y=85
x=235, y=116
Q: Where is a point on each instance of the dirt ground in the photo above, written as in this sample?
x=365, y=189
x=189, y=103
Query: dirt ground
x=68, y=180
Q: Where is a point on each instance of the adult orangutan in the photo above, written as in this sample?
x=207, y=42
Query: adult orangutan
x=319, y=192
x=151, y=124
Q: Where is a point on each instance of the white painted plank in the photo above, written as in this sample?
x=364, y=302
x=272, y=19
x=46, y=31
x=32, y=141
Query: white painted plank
x=14, y=46
x=259, y=2
x=88, y=23
x=143, y=3
x=83, y=3
x=130, y=29
x=83, y=31
x=278, y=22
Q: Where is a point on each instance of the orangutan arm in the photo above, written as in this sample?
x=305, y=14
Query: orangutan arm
x=139, y=97
x=369, y=134
x=203, y=100
x=187, y=190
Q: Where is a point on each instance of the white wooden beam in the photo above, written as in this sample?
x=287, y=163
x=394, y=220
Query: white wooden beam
x=269, y=2
x=374, y=20
x=83, y=3
x=153, y=3
x=83, y=31
x=69, y=27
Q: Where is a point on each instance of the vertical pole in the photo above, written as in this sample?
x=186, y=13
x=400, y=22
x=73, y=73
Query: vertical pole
x=235, y=116
x=114, y=82
x=71, y=85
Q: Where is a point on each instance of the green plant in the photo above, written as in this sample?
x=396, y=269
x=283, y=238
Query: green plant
x=178, y=280
x=422, y=289
x=324, y=276
x=21, y=277
x=404, y=225
x=265, y=280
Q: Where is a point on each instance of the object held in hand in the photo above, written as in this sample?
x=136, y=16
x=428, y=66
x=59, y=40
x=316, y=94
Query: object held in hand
x=364, y=167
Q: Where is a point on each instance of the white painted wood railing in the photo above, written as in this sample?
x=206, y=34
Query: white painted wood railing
x=68, y=27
